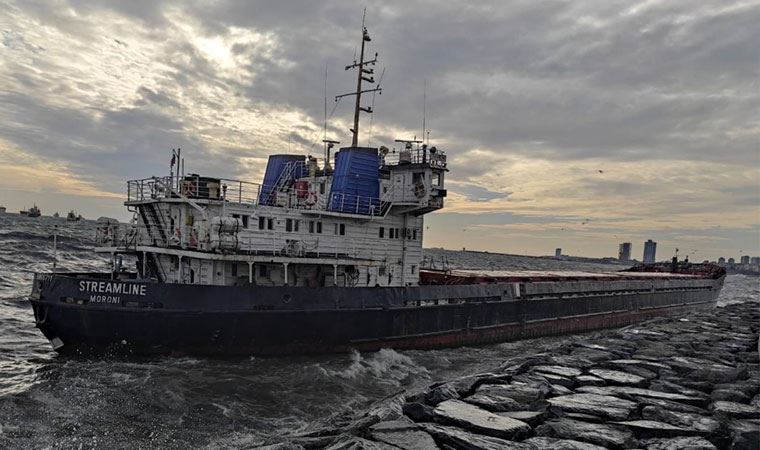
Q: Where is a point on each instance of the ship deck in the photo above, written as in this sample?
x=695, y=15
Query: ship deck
x=462, y=276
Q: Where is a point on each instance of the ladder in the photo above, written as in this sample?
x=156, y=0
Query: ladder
x=154, y=224
x=155, y=267
x=285, y=180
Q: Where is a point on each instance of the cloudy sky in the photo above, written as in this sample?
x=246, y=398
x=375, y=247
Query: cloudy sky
x=573, y=124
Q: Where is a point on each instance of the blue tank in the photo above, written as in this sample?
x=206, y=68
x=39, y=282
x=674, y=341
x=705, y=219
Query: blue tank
x=355, y=185
x=275, y=166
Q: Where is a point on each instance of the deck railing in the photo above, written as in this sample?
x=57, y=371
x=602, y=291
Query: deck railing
x=243, y=192
x=415, y=156
x=128, y=237
x=193, y=187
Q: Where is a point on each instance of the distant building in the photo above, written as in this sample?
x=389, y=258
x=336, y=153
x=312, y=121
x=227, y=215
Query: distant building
x=650, y=250
x=624, y=251
x=731, y=261
x=721, y=260
x=755, y=260
x=557, y=252
x=745, y=259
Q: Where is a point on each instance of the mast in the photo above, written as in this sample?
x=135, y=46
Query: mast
x=363, y=74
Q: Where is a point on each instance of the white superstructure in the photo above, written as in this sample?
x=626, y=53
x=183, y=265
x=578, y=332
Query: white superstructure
x=297, y=232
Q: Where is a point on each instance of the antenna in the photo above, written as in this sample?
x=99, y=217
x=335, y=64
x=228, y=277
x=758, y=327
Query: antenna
x=324, y=135
x=363, y=74
x=424, y=108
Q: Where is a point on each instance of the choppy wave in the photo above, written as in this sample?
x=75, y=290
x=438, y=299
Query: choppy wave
x=48, y=401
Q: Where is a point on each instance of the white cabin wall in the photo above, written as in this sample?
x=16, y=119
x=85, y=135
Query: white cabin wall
x=380, y=260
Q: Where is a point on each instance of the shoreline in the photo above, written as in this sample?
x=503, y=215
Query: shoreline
x=691, y=381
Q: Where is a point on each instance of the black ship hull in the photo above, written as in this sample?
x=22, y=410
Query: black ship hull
x=90, y=313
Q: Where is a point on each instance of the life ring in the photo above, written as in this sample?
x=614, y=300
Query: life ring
x=419, y=190
x=188, y=189
x=311, y=200
x=193, y=240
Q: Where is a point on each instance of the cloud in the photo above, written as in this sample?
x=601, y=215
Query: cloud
x=530, y=99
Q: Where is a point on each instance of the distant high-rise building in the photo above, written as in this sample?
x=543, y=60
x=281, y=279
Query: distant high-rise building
x=755, y=260
x=731, y=261
x=745, y=259
x=624, y=251
x=557, y=252
x=721, y=260
x=650, y=249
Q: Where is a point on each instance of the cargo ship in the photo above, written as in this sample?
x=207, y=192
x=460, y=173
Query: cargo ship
x=325, y=255
x=34, y=211
x=72, y=216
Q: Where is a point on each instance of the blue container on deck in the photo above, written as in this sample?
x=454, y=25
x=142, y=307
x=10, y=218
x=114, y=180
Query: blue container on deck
x=275, y=167
x=355, y=185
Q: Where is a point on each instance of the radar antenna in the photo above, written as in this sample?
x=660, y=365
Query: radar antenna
x=364, y=73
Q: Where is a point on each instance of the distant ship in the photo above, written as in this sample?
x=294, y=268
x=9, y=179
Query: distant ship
x=56, y=215
x=73, y=216
x=34, y=211
x=318, y=260
x=2, y=209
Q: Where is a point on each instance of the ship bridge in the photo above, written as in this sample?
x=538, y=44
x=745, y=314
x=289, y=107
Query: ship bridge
x=364, y=215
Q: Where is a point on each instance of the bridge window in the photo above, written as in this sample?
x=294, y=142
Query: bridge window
x=245, y=221
x=414, y=234
x=382, y=231
x=390, y=233
x=342, y=229
x=319, y=227
x=262, y=221
x=321, y=188
x=291, y=224
x=270, y=224
x=311, y=226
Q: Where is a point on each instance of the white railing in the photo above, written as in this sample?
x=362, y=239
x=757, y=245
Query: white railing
x=120, y=235
x=126, y=237
x=354, y=204
x=243, y=192
x=194, y=188
x=415, y=156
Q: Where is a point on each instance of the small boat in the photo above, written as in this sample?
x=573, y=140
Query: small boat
x=73, y=216
x=56, y=215
x=2, y=209
x=34, y=211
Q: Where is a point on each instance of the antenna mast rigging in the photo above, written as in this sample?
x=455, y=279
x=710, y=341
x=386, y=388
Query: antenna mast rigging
x=364, y=74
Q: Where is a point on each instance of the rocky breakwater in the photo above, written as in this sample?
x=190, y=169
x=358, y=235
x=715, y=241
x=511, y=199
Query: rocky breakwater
x=673, y=383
